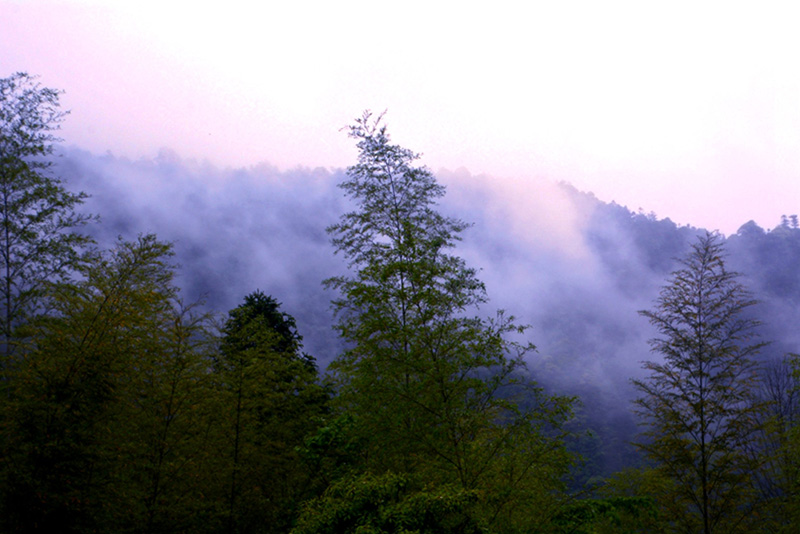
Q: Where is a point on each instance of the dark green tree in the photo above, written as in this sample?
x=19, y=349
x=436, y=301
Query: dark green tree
x=166, y=429
x=698, y=403
x=432, y=388
x=273, y=401
x=39, y=242
x=82, y=422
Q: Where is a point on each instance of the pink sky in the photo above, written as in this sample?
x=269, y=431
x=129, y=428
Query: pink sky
x=691, y=110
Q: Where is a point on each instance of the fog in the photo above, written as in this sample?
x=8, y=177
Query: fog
x=575, y=269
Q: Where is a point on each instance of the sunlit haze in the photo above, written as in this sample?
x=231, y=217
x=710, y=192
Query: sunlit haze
x=690, y=110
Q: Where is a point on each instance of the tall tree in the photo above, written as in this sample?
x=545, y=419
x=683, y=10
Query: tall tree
x=64, y=440
x=38, y=238
x=430, y=386
x=273, y=401
x=699, y=402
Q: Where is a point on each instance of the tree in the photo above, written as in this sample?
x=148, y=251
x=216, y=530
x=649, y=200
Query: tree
x=167, y=427
x=273, y=400
x=779, y=479
x=71, y=458
x=387, y=504
x=38, y=238
x=699, y=402
x=431, y=388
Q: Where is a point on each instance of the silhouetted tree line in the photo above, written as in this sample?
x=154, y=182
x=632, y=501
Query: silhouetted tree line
x=125, y=409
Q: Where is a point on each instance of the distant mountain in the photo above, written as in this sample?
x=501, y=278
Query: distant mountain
x=575, y=268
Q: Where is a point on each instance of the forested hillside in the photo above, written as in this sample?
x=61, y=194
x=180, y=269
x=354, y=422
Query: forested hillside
x=577, y=273
x=255, y=350
x=237, y=228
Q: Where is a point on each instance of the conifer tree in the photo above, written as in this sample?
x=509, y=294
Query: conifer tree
x=698, y=403
x=272, y=401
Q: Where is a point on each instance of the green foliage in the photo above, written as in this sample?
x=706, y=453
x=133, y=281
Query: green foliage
x=260, y=312
x=434, y=391
x=117, y=422
x=648, y=491
x=271, y=401
x=163, y=428
x=699, y=403
x=779, y=483
x=390, y=504
x=38, y=241
x=622, y=515
x=333, y=451
x=95, y=396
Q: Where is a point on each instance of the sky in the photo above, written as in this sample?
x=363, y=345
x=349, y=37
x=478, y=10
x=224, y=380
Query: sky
x=690, y=110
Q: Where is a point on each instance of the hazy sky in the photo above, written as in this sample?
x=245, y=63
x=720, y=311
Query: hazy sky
x=691, y=109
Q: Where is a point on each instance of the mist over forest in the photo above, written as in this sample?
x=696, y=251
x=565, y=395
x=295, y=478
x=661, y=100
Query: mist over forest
x=266, y=350
x=574, y=268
